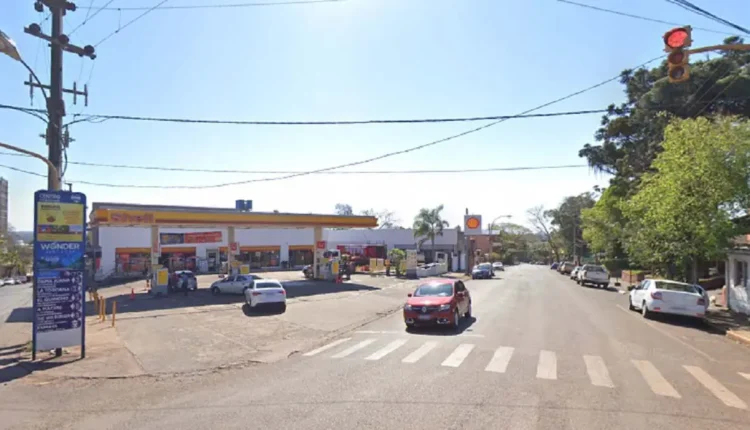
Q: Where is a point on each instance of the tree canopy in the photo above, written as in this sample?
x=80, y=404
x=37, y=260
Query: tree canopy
x=428, y=224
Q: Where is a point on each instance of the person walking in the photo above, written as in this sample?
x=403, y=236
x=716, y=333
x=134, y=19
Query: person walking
x=185, y=284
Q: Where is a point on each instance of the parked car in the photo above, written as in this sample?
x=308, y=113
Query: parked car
x=439, y=301
x=233, y=284
x=667, y=297
x=574, y=272
x=554, y=266
x=566, y=267
x=482, y=271
x=593, y=275
x=498, y=266
x=266, y=292
x=308, y=271
x=182, y=275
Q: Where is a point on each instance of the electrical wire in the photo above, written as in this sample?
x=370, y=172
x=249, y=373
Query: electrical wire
x=723, y=90
x=89, y=18
x=643, y=18
x=704, y=13
x=120, y=28
x=228, y=5
x=23, y=171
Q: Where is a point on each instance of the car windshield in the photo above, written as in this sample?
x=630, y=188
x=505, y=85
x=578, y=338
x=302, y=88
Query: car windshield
x=674, y=286
x=266, y=285
x=439, y=290
x=594, y=269
x=484, y=266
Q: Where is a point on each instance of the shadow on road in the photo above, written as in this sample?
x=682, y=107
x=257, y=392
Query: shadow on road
x=261, y=311
x=437, y=330
x=687, y=322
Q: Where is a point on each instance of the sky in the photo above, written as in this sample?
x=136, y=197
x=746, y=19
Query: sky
x=348, y=60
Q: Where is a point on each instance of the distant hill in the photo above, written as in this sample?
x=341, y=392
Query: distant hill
x=26, y=236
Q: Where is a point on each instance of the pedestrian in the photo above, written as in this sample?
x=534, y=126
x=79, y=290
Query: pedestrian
x=185, y=284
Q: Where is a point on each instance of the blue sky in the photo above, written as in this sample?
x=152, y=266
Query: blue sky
x=359, y=59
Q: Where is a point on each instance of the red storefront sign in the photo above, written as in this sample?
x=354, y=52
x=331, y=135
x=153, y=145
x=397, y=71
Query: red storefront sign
x=207, y=237
x=321, y=244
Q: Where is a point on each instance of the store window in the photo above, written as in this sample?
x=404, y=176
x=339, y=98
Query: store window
x=740, y=273
x=300, y=257
x=260, y=259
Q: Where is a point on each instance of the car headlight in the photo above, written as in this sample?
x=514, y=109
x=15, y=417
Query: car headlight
x=445, y=307
x=407, y=307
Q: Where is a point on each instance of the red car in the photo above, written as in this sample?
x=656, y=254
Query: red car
x=438, y=301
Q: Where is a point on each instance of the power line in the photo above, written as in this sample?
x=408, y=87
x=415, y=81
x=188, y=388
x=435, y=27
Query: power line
x=283, y=172
x=89, y=18
x=643, y=18
x=23, y=171
x=704, y=13
x=149, y=10
x=224, y=5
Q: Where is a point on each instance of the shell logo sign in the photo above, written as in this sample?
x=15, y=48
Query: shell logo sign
x=472, y=224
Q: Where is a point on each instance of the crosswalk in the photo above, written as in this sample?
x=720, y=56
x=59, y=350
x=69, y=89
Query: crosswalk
x=502, y=357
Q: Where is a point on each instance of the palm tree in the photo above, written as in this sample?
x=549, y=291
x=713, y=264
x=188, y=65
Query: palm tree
x=428, y=224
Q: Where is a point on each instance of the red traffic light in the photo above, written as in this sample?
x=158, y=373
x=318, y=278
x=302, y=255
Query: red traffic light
x=677, y=38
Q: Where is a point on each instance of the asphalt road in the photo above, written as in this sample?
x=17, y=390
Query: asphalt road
x=542, y=353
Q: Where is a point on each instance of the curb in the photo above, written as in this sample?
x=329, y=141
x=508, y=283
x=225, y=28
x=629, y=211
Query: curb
x=735, y=336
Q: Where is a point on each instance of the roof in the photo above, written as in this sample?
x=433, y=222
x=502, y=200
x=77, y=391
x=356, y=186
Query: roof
x=127, y=214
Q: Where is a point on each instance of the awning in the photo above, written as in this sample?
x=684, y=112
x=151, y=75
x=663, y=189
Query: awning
x=266, y=248
x=301, y=247
x=132, y=250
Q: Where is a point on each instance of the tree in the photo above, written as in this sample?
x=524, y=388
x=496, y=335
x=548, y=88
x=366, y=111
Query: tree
x=630, y=135
x=604, y=224
x=567, y=219
x=429, y=224
x=682, y=211
x=15, y=257
x=515, y=241
x=344, y=209
x=541, y=220
x=386, y=218
x=396, y=256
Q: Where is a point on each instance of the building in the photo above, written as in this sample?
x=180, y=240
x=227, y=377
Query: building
x=122, y=238
x=3, y=206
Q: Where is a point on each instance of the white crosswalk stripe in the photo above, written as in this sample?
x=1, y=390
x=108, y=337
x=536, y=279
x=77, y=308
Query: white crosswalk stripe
x=382, y=352
x=500, y=360
x=745, y=375
x=597, y=370
x=715, y=387
x=655, y=380
x=420, y=352
x=351, y=350
x=547, y=366
x=326, y=347
x=458, y=355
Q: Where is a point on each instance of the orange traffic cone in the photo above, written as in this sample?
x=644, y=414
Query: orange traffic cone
x=132, y=294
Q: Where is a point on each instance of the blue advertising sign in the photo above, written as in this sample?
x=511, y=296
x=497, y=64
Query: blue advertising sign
x=59, y=267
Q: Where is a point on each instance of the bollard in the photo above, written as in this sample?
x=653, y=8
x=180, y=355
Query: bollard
x=103, y=309
x=114, y=312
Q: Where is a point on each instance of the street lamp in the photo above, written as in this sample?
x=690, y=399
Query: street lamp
x=8, y=47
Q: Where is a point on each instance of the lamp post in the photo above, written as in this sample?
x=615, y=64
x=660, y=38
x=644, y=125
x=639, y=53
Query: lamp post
x=8, y=47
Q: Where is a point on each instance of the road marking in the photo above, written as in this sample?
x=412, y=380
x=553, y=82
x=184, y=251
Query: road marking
x=420, y=352
x=716, y=388
x=665, y=333
x=396, y=344
x=547, y=367
x=745, y=375
x=500, y=360
x=326, y=347
x=458, y=355
x=353, y=349
x=597, y=371
x=655, y=380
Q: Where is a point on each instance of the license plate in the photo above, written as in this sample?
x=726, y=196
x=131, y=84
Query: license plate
x=424, y=317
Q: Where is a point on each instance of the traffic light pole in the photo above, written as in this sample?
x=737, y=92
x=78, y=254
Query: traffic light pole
x=730, y=47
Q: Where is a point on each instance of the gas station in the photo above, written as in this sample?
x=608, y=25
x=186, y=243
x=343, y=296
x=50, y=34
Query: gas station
x=152, y=218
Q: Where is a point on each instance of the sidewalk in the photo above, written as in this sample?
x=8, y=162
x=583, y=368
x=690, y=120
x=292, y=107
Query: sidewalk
x=735, y=326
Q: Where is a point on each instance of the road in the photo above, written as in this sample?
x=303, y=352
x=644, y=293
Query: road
x=542, y=353
x=12, y=298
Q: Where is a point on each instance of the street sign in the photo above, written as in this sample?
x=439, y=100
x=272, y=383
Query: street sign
x=472, y=225
x=321, y=244
x=59, y=265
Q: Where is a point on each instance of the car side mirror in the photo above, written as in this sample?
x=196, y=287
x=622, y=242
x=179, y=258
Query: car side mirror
x=409, y=295
x=631, y=287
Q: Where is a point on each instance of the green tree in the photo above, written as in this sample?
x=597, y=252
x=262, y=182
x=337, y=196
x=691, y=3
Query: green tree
x=429, y=224
x=567, y=219
x=396, y=256
x=343, y=209
x=541, y=220
x=631, y=133
x=603, y=225
x=682, y=211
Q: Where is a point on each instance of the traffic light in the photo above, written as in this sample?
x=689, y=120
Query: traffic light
x=676, y=41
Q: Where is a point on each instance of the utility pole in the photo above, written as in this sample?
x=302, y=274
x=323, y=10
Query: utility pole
x=58, y=42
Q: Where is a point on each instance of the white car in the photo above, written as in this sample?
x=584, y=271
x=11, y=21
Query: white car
x=266, y=292
x=668, y=297
x=190, y=276
x=233, y=284
x=498, y=266
x=593, y=275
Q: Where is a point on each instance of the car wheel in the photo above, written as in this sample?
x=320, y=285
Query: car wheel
x=644, y=311
x=578, y=281
x=630, y=303
x=468, y=311
x=456, y=319
x=215, y=291
x=282, y=308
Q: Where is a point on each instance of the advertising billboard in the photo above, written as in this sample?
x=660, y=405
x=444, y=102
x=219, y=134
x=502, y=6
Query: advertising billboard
x=59, y=267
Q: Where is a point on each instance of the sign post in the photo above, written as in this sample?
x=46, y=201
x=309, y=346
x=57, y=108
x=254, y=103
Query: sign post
x=472, y=227
x=59, y=264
